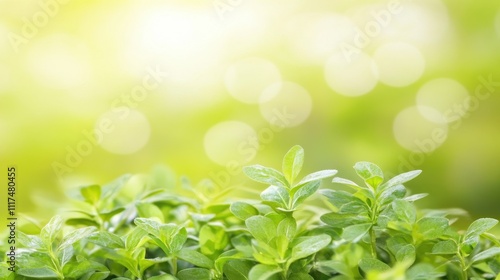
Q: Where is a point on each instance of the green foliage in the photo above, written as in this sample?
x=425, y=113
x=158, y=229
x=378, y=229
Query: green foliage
x=373, y=231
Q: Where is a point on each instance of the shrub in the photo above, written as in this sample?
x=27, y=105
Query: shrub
x=373, y=231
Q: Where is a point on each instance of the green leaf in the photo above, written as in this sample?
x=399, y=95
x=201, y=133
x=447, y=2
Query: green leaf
x=300, y=276
x=316, y=176
x=349, y=183
x=370, y=264
x=149, y=210
x=265, y=175
x=416, y=197
x=51, y=230
x=432, y=227
x=196, y=258
x=237, y=269
x=338, y=220
x=292, y=163
x=424, y=271
x=106, y=240
x=76, y=236
x=446, y=247
x=243, y=210
x=91, y=194
x=355, y=233
x=107, y=215
x=344, y=202
x=212, y=239
x=262, y=228
x=163, y=277
x=287, y=227
x=309, y=245
x=304, y=192
x=134, y=237
x=371, y=173
x=151, y=226
x=405, y=211
x=406, y=254
x=276, y=194
x=42, y=272
x=477, y=228
x=194, y=274
x=81, y=221
x=401, y=179
x=29, y=241
x=392, y=193
x=484, y=255
x=65, y=255
x=263, y=272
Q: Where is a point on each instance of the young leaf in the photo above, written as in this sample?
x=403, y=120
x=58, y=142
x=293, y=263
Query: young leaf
x=446, y=247
x=432, y=227
x=106, y=240
x=371, y=173
x=237, y=269
x=309, y=245
x=265, y=175
x=51, y=230
x=133, y=238
x=477, y=228
x=349, y=183
x=484, y=255
x=401, y=179
x=304, y=192
x=149, y=210
x=292, y=163
x=317, y=176
x=370, y=264
x=406, y=254
x=287, y=227
x=194, y=273
x=42, y=272
x=91, y=194
x=263, y=272
x=195, y=258
x=338, y=220
x=163, y=277
x=29, y=241
x=243, y=210
x=405, y=211
x=76, y=236
x=276, y=194
x=213, y=239
x=262, y=228
x=355, y=233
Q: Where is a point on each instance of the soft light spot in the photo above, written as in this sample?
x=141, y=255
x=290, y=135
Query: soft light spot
x=314, y=37
x=416, y=133
x=123, y=130
x=447, y=96
x=246, y=79
x=285, y=104
x=497, y=23
x=59, y=61
x=422, y=22
x=399, y=64
x=231, y=141
x=352, y=75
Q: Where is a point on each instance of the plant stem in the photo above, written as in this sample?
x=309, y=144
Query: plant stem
x=173, y=263
x=373, y=242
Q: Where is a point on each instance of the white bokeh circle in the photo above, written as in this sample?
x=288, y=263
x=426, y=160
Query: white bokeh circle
x=416, y=133
x=123, y=130
x=446, y=96
x=314, y=36
x=285, y=104
x=399, y=64
x=230, y=141
x=246, y=79
x=351, y=74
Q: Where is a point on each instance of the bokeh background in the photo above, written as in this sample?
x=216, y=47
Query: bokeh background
x=90, y=90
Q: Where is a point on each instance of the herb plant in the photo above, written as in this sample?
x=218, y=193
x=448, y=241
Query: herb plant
x=295, y=231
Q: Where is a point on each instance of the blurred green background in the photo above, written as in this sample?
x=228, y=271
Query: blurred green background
x=90, y=90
